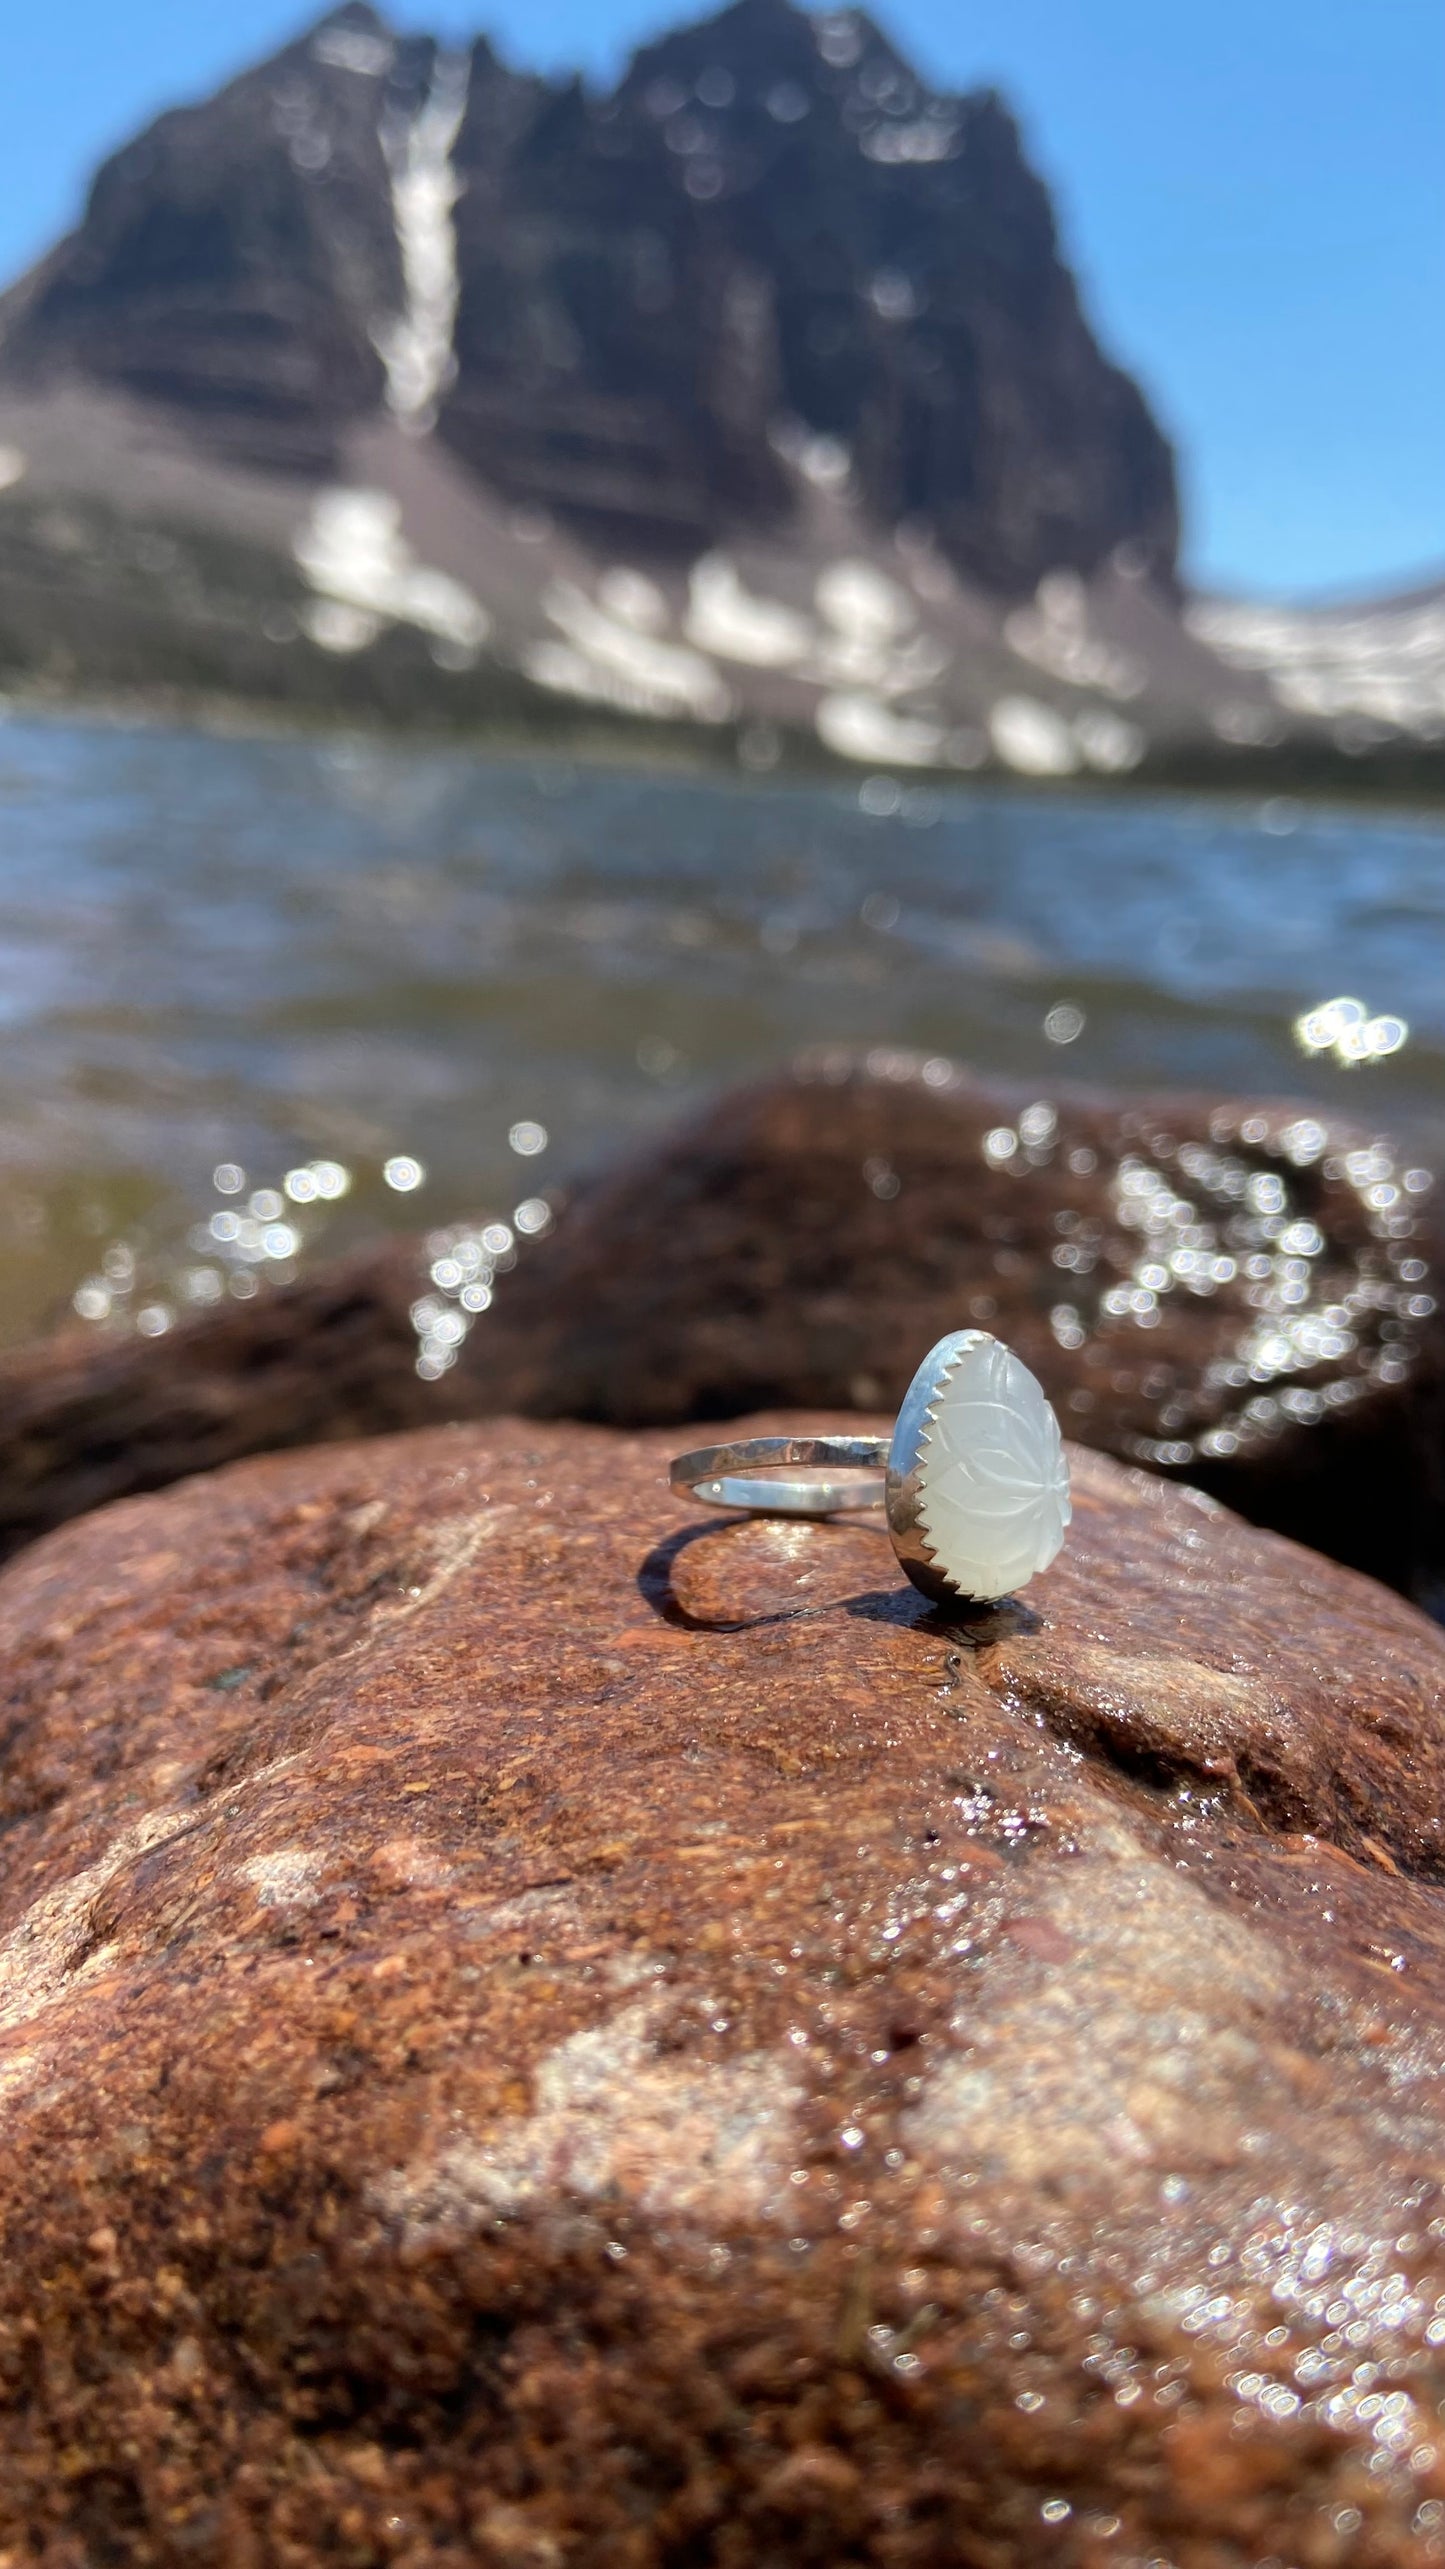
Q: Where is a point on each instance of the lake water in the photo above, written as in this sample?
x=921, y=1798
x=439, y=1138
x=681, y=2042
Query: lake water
x=273, y=952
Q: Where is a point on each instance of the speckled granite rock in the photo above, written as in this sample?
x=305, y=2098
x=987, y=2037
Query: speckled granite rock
x=1241, y=1294
x=532, y=2032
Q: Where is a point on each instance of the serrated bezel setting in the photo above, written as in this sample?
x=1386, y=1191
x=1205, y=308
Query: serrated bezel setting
x=978, y=1487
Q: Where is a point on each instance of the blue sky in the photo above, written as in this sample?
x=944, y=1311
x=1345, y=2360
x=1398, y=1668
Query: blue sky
x=1253, y=191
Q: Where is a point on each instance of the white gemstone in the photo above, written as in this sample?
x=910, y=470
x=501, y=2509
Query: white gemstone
x=993, y=1483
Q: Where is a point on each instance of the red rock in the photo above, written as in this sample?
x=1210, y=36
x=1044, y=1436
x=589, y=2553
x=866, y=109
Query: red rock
x=532, y=2031
x=806, y=1241
x=90, y=1417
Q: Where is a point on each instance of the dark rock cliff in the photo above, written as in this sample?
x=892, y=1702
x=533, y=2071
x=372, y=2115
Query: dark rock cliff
x=229, y=258
x=770, y=235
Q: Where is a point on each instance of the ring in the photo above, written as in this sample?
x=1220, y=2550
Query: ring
x=973, y=1478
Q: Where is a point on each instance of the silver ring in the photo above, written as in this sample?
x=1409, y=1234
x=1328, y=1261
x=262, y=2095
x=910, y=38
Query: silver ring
x=973, y=1479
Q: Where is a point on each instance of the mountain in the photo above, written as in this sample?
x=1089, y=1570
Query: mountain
x=755, y=391
x=770, y=219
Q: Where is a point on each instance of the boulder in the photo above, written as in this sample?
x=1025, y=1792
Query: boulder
x=90, y=1416
x=533, y=2030
x=1241, y=1294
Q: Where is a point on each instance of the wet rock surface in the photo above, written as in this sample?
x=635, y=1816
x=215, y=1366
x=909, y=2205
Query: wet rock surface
x=533, y=2029
x=90, y=1419
x=1239, y=1294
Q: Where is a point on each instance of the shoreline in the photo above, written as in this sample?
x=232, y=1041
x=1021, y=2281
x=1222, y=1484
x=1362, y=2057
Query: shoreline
x=1412, y=782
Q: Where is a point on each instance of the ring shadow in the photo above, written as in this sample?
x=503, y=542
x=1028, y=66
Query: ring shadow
x=975, y=1627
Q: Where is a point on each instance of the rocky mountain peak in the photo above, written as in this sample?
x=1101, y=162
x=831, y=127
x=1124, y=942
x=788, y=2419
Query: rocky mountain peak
x=621, y=306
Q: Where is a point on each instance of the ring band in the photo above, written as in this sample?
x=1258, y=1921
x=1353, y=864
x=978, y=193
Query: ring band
x=713, y=1472
x=973, y=1479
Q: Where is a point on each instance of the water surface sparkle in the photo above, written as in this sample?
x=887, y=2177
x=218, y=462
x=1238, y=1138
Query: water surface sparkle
x=280, y=960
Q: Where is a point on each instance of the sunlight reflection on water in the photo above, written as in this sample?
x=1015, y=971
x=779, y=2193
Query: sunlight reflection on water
x=300, y=955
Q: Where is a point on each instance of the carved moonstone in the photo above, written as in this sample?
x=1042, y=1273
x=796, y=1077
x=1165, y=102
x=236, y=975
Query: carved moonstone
x=978, y=1488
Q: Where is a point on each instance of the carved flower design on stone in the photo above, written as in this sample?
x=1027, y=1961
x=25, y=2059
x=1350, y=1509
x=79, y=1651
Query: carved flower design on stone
x=994, y=1485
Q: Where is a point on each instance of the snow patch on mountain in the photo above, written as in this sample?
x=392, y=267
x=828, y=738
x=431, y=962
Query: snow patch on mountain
x=417, y=348
x=604, y=659
x=725, y=616
x=366, y=576
x=1383, y=665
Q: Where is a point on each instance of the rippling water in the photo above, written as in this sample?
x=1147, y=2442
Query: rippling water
x=265, y=951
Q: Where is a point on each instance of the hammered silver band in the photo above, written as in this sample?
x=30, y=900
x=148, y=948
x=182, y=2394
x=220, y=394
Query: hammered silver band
x=726, y=1476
